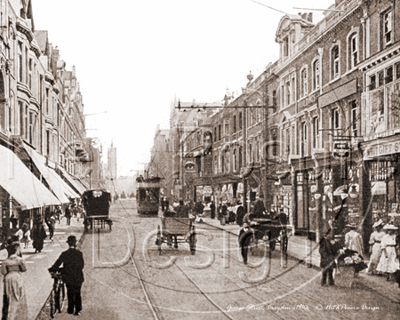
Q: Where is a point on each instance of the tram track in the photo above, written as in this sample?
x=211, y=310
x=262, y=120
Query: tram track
x=313, y=299
x=243, y=290
x=292, y=290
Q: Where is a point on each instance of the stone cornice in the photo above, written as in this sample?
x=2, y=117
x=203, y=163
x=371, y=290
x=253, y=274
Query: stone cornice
x=35, y=49
x=49, y=77
x=24, y=88
x=24, y=30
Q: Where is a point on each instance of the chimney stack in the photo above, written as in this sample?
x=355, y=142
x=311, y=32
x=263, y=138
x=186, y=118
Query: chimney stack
x=304, y=16
x=310, y=17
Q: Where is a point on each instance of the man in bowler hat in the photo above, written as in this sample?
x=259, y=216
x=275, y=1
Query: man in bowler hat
x=72, y=274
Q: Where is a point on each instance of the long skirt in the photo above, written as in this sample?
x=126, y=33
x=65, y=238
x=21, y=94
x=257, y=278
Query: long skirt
x=375, y=257
x=391, y=264
x=15, y=306
x=38, y=244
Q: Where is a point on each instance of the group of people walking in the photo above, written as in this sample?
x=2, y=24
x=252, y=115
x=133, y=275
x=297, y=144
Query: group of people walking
x=384, y=259
x=384, y=250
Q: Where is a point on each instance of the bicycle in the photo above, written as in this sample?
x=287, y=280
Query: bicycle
x=57, y=295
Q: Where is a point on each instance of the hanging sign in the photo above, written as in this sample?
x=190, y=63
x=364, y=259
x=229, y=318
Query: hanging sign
x=341, y=149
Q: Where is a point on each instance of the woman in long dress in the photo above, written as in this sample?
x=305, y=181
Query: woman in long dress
x=14, y=302
x=38, y=235
x=388, y=263
x=375, y=242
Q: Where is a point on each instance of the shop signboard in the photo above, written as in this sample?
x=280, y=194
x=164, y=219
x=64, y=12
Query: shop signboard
x=381, y=149
x=341, y=149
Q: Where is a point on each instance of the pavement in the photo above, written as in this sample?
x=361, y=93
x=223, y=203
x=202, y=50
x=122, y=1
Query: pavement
x=37, y=280
x=307, y=252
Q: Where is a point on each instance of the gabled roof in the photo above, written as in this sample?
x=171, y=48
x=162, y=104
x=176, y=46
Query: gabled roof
x=42, y=39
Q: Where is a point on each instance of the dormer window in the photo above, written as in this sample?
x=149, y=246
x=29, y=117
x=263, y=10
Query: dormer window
x=286, y=46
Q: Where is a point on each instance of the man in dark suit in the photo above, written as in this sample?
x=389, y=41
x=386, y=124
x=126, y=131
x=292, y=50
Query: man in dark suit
x=212, y=208
x=328, y=252
x=72, y=274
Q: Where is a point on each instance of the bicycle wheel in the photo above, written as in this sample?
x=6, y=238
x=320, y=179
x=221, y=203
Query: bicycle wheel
x=52, y=302
x=57, y=296
x=61, y=296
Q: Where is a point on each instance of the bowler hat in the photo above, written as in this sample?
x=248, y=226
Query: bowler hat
x=71, y=240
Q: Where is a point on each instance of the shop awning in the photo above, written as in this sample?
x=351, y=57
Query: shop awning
x=21, y=184
x=56, y=184
x=65, y=187
x=71, y=181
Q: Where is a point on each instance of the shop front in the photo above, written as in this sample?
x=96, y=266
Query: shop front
x=381, y=162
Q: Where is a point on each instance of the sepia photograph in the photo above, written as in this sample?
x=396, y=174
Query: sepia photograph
x=199, y=159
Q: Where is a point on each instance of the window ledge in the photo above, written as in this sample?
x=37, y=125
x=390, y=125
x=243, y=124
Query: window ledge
x=350, y=70
x=287, y=107
x=332, y=81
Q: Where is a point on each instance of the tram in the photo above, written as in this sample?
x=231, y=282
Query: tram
x=148, y=195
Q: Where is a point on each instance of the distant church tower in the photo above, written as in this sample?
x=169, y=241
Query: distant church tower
x=112, y=161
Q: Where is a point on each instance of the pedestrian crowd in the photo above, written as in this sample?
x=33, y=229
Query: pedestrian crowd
x=14, y=295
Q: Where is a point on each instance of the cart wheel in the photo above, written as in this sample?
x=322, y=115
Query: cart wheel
x=192, y=241
x=159, y=240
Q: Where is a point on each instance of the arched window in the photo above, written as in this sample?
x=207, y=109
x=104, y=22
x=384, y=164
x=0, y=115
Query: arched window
x=335, y=62
x=353, y=50
x=303, y=82
x=315, y=73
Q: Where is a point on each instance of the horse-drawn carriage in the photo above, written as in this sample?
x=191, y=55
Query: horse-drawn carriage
x=96, y=203
x=182, y=230
x=271, y=231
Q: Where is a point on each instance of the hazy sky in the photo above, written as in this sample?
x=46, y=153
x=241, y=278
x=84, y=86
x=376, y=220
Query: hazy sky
x=133, y=57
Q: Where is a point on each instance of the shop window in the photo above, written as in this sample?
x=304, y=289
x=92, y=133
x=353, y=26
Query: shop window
x=387, y=28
